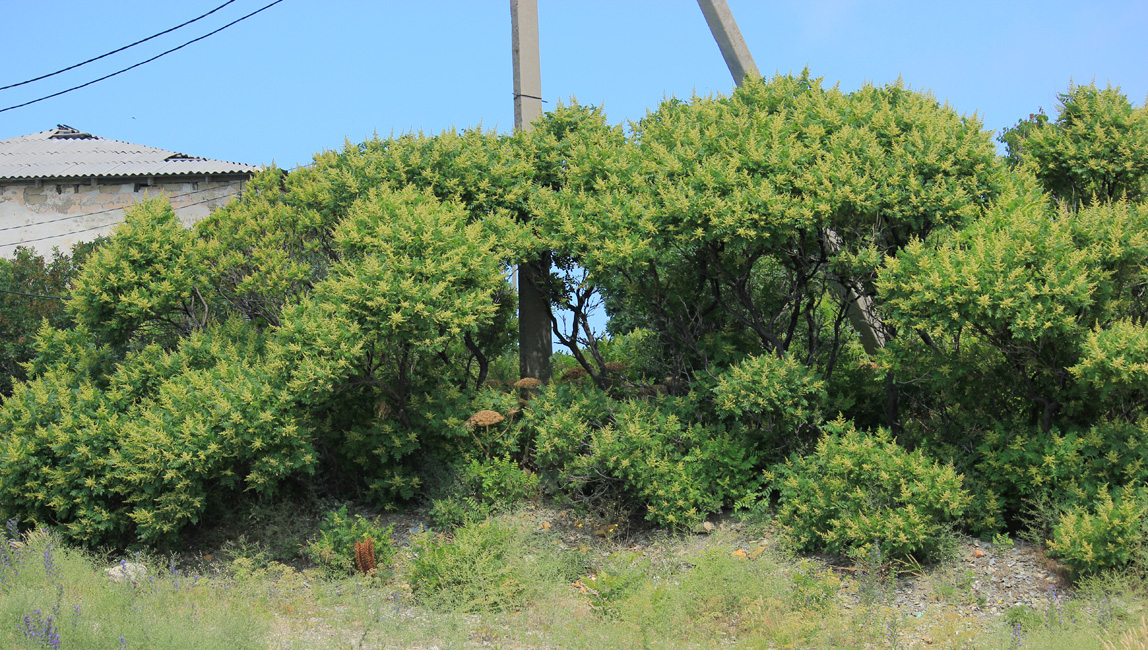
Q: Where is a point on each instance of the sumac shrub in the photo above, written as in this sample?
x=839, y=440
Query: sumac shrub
x=1107, y=535
x=779, y=401
x=146, y=450
x=480, y=488
x=1018, y=465
x=647, y=453
x=858, y=488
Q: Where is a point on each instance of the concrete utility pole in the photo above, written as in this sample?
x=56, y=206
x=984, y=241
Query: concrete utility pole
x=534, y=342
x=740, y=63
x=729, y=40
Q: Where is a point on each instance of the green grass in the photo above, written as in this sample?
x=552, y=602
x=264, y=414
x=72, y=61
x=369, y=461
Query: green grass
x=54, y=596
x=509, y=582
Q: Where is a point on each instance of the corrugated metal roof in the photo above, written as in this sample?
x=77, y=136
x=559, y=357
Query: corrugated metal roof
x=64, y=152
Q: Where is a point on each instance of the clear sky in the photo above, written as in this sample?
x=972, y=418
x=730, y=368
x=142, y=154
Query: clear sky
x=304, y=75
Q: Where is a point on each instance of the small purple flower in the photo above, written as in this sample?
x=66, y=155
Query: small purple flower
x=50, y=569
x=1056, y=602
x=38, y=627
x=1017, y=637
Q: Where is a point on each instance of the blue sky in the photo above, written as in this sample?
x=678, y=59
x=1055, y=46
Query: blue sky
x=303, y=75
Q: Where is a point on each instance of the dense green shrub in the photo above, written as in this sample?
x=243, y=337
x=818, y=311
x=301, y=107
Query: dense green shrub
x=143, y=452
x=1095, y=149
x=481, y=488
x=145, y=282
x=334, y=547
x=347, y=320
x=365, y=350
x=1019, y=465
x=779, y=400
x=720, y=223
x=1107, y=534
x=178, y=386
x=859, y=488
x=643, y=453
x=33, y=290
x=1026, y=325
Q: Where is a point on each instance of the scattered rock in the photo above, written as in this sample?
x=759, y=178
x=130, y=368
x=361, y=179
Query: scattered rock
x=131, y=571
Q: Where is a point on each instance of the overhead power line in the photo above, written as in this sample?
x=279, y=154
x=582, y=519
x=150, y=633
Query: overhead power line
x=132, y=67
x=32, y=295
x=107, y=54
x=83, y=230
x=170, y=197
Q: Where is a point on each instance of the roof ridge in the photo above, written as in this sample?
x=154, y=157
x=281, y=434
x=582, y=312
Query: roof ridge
x=68, y=152
x=63, y=131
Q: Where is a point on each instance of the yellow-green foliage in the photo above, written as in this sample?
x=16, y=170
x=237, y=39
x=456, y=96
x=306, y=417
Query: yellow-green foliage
x=322, y=310
x=656, y=455
x=1027, y=327
x=415, y=285
x=1095, y=149
x=1108, y=534
x=137, y=454
x=781, y=400
x=859, y=488
x=146, y=282
x=1115, y=358
x=1022, y=464
x=710, y=225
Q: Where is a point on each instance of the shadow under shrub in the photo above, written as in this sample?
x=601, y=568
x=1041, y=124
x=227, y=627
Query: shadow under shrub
x=679, y=458
x=481, y=488
x=858, y=488
x=641, y=452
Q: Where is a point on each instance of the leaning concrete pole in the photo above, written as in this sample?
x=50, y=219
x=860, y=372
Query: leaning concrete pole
x=729, y=40
x=740, y=64
x=534, y=342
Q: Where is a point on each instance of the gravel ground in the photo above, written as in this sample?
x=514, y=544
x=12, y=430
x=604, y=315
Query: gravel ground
x=970, y=592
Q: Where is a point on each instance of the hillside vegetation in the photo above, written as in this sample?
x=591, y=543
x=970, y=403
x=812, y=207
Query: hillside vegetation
x=845, y=312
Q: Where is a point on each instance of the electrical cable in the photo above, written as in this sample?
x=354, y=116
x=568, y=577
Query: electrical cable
x=32, y=295
x=132, y=67
x=82, y=63
x=89, y=214
x=106, y=225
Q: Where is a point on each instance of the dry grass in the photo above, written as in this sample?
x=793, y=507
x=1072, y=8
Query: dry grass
x=1134, y=638
x=733, y=587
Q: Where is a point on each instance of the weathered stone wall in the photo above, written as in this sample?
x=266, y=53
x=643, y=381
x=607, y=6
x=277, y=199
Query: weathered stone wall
x=60, y=214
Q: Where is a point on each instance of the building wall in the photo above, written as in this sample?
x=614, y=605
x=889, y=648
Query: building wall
x=61, y=214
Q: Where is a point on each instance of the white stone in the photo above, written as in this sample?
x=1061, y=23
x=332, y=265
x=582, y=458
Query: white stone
x=127, y=571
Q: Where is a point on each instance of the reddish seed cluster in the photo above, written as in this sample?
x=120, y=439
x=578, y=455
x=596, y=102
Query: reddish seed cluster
x=365, y=555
